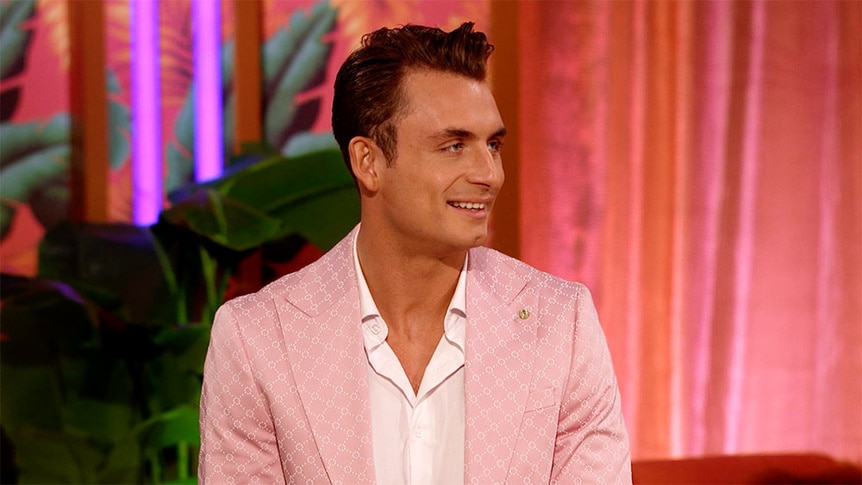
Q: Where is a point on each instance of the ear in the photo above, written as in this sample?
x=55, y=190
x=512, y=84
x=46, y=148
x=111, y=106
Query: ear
x=365, y=160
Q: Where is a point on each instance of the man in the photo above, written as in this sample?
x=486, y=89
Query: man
x=409, y=353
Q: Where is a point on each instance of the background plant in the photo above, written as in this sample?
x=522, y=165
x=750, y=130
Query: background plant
x=101, y=354
x=34, y=156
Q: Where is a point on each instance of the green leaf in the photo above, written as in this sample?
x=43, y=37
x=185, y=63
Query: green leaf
x=66, y=400
x=189, y=344
x=181, y=165
x=31, y=396
x=7, y=215
x=326, y=219
x=18, y=141
x=50, y=201
x=19, y=181
x=185, y=481
x=265, y=202
x=119, y=125
x=178, y=425
x=14, y=34
x=115, y=264
x=103, y=422
x=228, y=96
x=280, y=181
x=34, y=167
x=181, y=168
x=226, y=222
x=306, y=142
x=47, y=456
x=294, y=60
x=123, y=463
x=170, y=384
x=180, y=156
x=41, y=320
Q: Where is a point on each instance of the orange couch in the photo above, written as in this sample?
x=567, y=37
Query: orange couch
x=747, y=469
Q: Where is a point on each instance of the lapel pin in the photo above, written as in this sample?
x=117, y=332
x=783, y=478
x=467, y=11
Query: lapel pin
x=524, y=314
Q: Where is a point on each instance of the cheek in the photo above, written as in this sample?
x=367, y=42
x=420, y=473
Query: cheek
x=433, y=182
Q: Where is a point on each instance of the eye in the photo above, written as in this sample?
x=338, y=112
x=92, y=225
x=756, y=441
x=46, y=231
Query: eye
x=495, y=145
x=454, y=148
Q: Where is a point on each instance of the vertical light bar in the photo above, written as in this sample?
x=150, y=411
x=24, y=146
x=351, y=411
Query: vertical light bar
x=206, y=30
x=146, y=113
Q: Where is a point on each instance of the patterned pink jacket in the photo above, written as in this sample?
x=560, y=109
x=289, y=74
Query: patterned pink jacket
x=285, y=399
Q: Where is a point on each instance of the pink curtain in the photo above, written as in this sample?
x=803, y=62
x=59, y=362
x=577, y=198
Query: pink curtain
x=699, y=166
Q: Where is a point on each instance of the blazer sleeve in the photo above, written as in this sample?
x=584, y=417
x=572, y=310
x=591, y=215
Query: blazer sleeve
x=238, y=441
x=592, y=444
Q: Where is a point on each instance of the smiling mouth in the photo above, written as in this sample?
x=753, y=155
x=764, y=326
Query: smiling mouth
x=476, y=206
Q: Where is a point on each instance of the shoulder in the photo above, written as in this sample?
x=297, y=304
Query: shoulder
x=317, y=282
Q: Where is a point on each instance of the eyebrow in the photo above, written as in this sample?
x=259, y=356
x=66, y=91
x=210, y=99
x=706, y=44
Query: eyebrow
x=461, y=133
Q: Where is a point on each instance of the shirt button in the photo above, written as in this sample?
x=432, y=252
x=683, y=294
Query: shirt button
x=419, y=433
x=375, y=329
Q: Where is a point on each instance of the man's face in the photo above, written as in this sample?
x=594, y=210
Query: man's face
x=439, y=191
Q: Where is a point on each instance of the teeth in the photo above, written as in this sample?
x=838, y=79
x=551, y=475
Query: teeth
x=468, y=205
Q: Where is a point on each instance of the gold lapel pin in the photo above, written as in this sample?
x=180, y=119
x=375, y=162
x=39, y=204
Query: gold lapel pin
x=524, y=314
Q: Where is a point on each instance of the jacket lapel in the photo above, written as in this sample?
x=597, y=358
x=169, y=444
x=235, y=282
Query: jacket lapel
x=499, y=352
x=324, y=343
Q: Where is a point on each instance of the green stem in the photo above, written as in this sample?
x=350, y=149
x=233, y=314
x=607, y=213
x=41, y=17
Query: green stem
x=222, y=288
x=178, y=293
x=156, y=468
x=209, y=267
x=182, y=307
x=182, y=460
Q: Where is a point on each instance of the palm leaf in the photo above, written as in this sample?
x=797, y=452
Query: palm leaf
x=34, y=162
x=293, y=60
x=14, y=35
x=119, y=123
x=14, y=40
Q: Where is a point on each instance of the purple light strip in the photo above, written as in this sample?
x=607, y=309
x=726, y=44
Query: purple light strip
x=206, y=29
x=146, y=113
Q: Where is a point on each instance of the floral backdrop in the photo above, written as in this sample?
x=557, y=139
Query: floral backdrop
x=36, y=95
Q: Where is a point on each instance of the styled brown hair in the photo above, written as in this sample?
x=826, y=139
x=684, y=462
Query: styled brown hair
x=368, y=94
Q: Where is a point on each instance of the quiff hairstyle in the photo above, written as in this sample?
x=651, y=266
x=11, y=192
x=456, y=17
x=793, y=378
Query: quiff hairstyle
x=368, y=94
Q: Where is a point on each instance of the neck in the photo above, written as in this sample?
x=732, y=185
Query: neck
x=412, y=289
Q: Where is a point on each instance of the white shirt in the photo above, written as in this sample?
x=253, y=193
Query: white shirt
x=416, y=438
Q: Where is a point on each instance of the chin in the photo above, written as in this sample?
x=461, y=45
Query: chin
x=478, y=240
x=462, y=238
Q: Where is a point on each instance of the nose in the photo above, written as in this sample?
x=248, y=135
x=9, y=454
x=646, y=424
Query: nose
x=487, y=169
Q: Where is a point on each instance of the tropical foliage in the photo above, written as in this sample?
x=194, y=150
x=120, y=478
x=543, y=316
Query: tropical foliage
x=293, y=62
x=102, y=353
x=35, y=156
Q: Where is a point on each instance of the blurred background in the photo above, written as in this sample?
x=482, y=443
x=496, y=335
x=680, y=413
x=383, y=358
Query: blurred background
x=697, y=164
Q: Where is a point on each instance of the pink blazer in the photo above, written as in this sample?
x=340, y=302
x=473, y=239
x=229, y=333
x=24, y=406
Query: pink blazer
x=285, y=399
